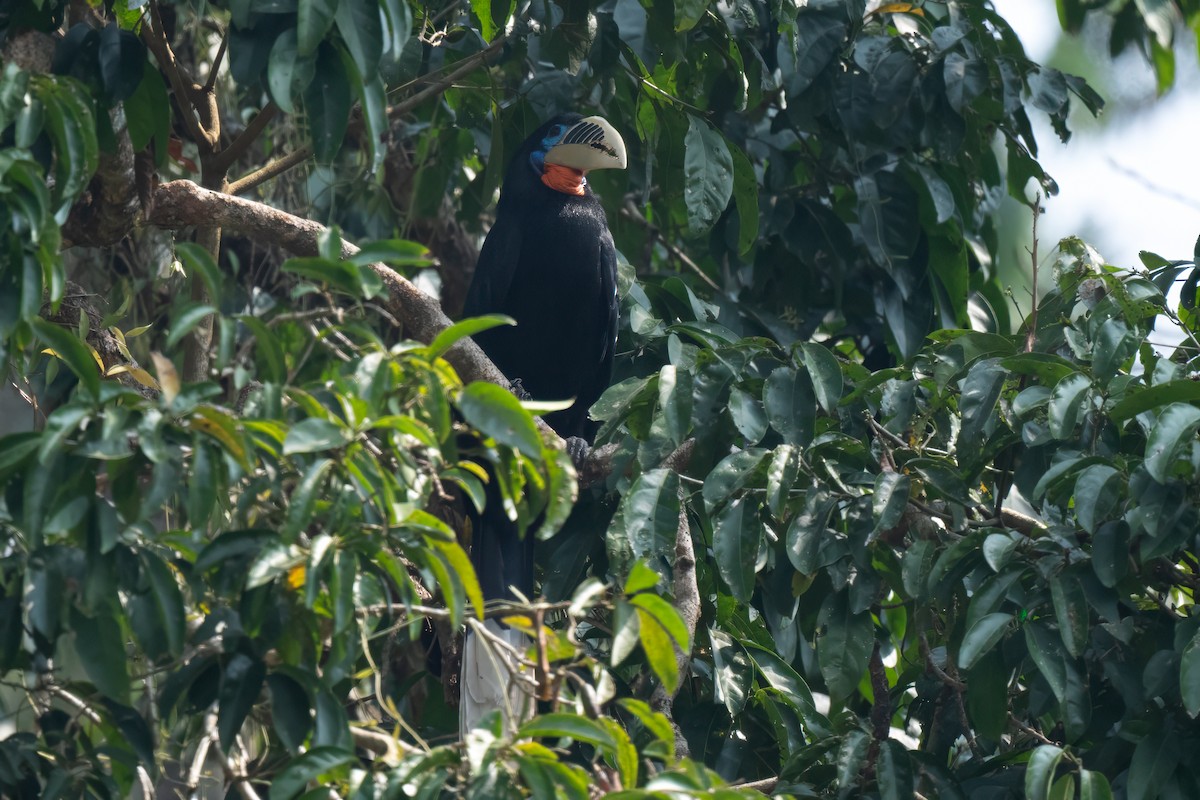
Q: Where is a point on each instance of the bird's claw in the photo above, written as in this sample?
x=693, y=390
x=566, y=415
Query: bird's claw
x=516, y=387
x=578, y=449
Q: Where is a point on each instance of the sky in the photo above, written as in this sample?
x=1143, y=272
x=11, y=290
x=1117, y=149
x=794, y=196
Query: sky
x=1132, y=183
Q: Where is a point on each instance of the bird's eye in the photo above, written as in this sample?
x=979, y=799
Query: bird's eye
x=557, y=130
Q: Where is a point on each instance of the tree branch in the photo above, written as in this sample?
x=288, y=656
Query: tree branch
x=179, y=204
x=687, y=603
x=223, y=160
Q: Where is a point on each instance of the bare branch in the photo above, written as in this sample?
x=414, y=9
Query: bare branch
x=223, y=160
x=687, y=603
x=1031, y=335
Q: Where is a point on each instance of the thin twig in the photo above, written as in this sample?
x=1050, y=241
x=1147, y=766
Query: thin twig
x=1031, y=731
x=271, y=170
x=216, y=65
x=630, y=211
x=1031, y=335
x=223, y=160
x=156, y=39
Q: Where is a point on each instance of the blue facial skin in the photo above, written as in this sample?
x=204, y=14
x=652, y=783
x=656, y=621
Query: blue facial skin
x=537, y=158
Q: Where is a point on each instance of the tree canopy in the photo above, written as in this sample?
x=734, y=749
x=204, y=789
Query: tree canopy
x=853, y=527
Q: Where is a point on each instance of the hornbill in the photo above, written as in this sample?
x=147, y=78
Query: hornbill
x=549, y=263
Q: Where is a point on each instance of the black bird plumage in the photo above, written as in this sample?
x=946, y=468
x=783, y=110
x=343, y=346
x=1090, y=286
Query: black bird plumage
x=550, y=264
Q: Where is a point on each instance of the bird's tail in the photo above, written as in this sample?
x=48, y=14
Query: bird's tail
x=492, y=679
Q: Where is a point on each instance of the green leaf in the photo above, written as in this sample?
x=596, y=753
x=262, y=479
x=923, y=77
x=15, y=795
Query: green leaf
x=781, y=474
x=791, y=404
x=675, y=402
x=1071, y=611
x=304, y=497
x=1046, y=651
x=745, y=198
x=819, y=37
x=291, y=712
x=1110, y=552
x=641, y=578
x=627, y=628
x=71, y=350
x=467, y=327
x=288, y=71
x=688, y=13
x=707, y=175
x=826, y=375
x=651, y=516
x=894, y=775
x=1066, y=401
x=966, y=79
x=735, y=473
x=736, y=536
x=241, y=681
x=1154, y=760
x=660, y=653
x=1138, y=400
x=655, y=722
x=483, y=12
x=72, y=128
x=732, y=673
x=168, y=599
x=940, y=476
x=268, y=352
x=1115, y=344
x=1189, y=676
x=791, y=687
x=844, y=643
x=852, y=756
x=148, y=112
x=1098, y=491
x=185, y=322
x=980, y=392
x=498, y=414
x=1094, y=786
x=101, y=647
x=665, y=615
x=361, y=27
x=122, y=57
x=982, y=637
x=237, y=546
x=889, y=499
x=198, y=262
x=1170, y=439
x=1039, y=773
x=314, y=435
x=302, y=771
x=748, y=415
x=314, y=18
x=987, y=701
x=328, y=100
x=569, y=726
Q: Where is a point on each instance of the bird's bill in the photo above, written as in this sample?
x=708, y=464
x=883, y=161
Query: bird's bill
x=591, y=143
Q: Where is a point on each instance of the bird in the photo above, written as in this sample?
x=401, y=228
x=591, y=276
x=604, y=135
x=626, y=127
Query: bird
x=550, y=264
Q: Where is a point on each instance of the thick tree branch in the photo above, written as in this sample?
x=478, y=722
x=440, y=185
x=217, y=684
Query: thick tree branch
x=106, y=212
x=179, y=204
x=687, y=603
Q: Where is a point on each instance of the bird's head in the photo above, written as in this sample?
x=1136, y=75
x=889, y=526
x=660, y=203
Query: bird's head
x=567, y=147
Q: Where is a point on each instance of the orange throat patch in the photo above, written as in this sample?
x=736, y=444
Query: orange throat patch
x=564, y=179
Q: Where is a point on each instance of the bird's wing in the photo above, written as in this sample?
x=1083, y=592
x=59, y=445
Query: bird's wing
x=608, y=312
x=494, y=270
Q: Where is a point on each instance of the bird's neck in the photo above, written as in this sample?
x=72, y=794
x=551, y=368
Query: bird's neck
x=564, y=179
